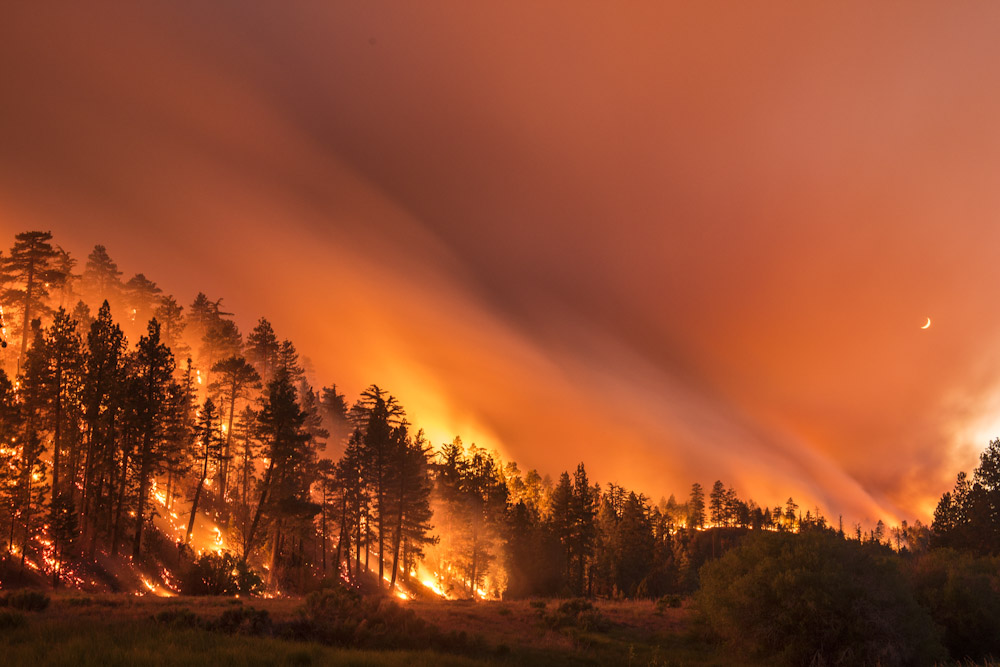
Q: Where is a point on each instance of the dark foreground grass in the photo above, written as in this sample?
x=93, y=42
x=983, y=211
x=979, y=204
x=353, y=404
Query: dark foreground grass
x=122, y=630
x=125, y=642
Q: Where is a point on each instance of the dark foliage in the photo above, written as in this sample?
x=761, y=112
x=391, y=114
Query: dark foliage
x=816, y=598
x=341, y=617
x=26, y=600
x=962, y=593
x=11, y=620
x=579, y=614
x=220, y=574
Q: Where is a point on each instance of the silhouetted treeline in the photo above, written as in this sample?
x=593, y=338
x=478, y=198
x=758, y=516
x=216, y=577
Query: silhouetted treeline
x=968, y=517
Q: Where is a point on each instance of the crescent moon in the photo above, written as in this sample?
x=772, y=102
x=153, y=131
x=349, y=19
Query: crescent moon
x=928, y=325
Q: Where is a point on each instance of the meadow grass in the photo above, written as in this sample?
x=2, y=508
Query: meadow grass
x=125, y=642
x=78, y=630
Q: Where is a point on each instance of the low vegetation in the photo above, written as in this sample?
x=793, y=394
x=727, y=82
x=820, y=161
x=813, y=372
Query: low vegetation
x=815, y=598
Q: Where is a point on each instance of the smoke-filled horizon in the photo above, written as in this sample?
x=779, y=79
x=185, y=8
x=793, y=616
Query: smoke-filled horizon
x=676, y=243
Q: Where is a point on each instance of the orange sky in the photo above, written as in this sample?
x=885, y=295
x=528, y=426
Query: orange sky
x=676, y=242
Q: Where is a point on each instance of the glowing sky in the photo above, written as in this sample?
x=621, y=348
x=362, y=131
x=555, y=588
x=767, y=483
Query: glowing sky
x=679, y=242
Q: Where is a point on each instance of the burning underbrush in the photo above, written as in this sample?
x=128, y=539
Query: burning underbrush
x=173, y=560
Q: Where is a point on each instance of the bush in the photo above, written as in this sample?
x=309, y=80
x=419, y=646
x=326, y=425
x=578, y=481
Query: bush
x=10, y=620
x=220, y=574
x=815, y=598
x=244, y=621
x=962, y=594
x=27, y=600
x=577, y=613
x=341, y=617
x=180, y=618
x=668, y=602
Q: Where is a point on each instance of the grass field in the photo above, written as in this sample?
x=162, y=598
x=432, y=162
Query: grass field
x=122, y=630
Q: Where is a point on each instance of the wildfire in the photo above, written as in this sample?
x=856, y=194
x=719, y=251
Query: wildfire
x=434, y=586
x=219, y=543
x=155, y=588
x=161, y=496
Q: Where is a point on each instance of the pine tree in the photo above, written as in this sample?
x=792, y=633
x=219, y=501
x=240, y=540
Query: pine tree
x=32, y=265
x=378, y=414
x=335, y=412
x=10, y=430
x=584, y=516
x=561, y=521
x=170, y=315
x=104, y=381
x=142, y=296
x=179, y=435
x=285, y=442
x=635, y=546
x=64, y=351
x=64, y=265
x=262, y=349
x=696, y=507
x=234, y=379
x=221, y=341
x=101, y=280
x=717, y=504
x=248, y=447
x=410, y=491
x=287, y=362
x=154, y=367
x=210, y=444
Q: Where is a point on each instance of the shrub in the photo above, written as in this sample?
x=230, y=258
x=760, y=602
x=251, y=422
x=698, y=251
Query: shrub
x=577, y=613
x=10, y=620
x=181, y=618
x=244, y=621
x=220, y=574
x=341, y=617
x=28, y=600
x=668, y=602
x=816, y=598
x=962, y=594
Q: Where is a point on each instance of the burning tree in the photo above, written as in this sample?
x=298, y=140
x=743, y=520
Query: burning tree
x=472, y=503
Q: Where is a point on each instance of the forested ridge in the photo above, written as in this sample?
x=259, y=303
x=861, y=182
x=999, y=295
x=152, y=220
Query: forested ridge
x=150, y=445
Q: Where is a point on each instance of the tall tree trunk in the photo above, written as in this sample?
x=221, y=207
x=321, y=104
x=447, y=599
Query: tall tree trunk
x=398, y=537
x=87, y=471
x=197, y=496
x=340, y=537
x=248, y=543
x=475, y=562
x=275, y=551
x=27, y=514
x=28, y=289
x=381, y=536
x=323, y=521
x=57, y=432
x=93, y=520
x=121, y=501
x=144, y=472
x=357, y=547
x=225, y=457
